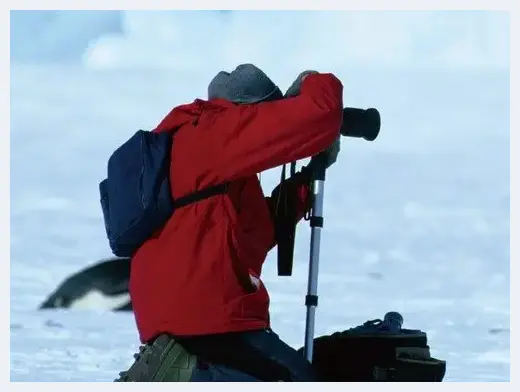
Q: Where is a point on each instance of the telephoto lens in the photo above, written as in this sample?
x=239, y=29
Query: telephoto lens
x=361, y=123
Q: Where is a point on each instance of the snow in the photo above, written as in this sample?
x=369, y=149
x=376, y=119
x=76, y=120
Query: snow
x=417, y=221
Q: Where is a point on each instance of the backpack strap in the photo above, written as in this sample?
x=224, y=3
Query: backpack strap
x=200, y=195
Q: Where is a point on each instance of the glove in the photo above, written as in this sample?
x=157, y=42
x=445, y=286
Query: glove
x=294, y=90
x=329, y=156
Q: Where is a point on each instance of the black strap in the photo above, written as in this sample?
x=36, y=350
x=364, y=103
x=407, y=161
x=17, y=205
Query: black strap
x=285, y=223
x=200, y=195
x=197, y=196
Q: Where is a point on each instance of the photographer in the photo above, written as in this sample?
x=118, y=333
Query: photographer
x=201, y=308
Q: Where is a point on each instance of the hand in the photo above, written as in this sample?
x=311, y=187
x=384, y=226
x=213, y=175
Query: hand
x=294, y=90
x=330, y=155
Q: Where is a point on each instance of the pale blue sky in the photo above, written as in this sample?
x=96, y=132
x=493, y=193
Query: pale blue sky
x=188, y=39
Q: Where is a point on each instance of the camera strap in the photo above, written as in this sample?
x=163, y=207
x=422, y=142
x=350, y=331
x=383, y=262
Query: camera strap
x=285, y=223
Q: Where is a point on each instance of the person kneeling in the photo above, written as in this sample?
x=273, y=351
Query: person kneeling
x=201, y=308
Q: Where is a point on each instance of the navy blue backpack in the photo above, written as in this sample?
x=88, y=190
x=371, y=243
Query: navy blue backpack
x=135, y=197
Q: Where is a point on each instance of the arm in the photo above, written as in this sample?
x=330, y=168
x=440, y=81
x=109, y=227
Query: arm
x=249, y=139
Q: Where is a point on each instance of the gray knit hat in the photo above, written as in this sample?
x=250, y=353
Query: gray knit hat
x=246, y=84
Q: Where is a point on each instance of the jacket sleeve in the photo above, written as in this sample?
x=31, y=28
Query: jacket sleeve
x=248, y=139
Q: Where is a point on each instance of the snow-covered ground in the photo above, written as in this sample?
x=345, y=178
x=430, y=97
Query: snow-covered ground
x=417, y=221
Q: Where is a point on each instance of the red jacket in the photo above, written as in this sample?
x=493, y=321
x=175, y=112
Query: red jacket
x=193, y=278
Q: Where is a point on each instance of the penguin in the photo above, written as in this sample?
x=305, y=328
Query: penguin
x=102, y=286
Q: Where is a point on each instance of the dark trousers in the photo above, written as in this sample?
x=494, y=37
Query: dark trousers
x=247, y=356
